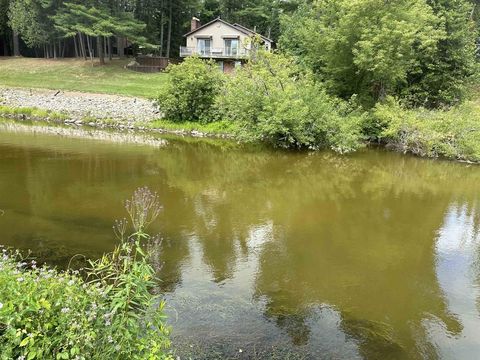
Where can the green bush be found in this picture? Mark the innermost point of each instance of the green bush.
(453, 133)
(271, 100)
(107, 313)
(191, 90)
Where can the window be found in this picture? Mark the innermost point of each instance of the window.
(203, 46)
(231, 47)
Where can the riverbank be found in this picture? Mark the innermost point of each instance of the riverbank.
(99, 111)
(450, 134)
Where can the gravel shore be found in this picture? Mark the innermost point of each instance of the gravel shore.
(80, 105)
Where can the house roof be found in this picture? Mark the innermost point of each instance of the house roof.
(235, 26)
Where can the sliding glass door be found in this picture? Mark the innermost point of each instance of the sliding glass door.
(204, 46)
(231, 47)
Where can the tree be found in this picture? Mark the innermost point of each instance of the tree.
(32, 21)
(443, 74)
(5, 30)
(191, 90)
(94, 22)
(366, 47)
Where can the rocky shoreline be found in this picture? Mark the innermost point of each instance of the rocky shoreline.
(94, 110)
(79, 105)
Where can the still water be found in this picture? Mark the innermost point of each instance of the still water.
(270, 254)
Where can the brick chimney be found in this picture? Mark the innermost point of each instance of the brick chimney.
(195, 24)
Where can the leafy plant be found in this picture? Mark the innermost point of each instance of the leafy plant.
(423, 50)
(272, 100)
(453, 134)
(191, 91)
(111, 313)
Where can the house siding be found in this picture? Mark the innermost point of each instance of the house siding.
(218, 31)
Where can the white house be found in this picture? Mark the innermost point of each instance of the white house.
(228, 44)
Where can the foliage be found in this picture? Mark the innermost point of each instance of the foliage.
(191, 90)
(32, 20)
(272, 100)
(376, 48)
(110, 314)
(74, 18)
(453, 134)
(442, 77)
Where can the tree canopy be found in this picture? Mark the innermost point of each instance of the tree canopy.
(423, 50)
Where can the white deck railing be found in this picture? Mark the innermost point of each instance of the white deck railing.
(231, 53)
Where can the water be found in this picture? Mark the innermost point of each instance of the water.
(270, 254)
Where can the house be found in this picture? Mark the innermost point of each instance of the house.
(228, 44)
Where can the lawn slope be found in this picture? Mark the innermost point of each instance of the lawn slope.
(79, 75)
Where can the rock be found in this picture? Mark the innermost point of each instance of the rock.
(80, 105)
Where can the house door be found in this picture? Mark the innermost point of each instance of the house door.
(203, 46)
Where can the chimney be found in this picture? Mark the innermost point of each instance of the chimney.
(195, 24)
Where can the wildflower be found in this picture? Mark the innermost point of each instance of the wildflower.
(21, 357)
(71, 282)
(20, 279)
(1, 305)
(65, 310)
(110, 339)
(117, 347)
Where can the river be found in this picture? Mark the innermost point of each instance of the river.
(269, 254)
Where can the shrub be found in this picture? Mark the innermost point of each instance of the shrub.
(453, 133)
(191, 90)
(110, 313)
(271, 100)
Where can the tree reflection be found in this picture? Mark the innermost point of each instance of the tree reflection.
(355, 233)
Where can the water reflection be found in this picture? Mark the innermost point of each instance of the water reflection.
(458, 271)
(311, 256)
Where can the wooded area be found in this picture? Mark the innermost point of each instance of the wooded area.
(101, 28)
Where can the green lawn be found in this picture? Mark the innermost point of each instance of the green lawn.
(79, 75)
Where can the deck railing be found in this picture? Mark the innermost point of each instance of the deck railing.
(232, 53)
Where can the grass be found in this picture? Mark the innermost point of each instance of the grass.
(218, 127)
(79, 75)
(32, 112)
(213, 128)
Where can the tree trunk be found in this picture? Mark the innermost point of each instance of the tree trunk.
(101, 55)
(162, 29)
(5, 41)
(169, 35)
(105, 50)
(83, 49)
(75, 45)
(120, 47)
(54, 50)
(90, 49)
(110, 56)
(16, 44)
